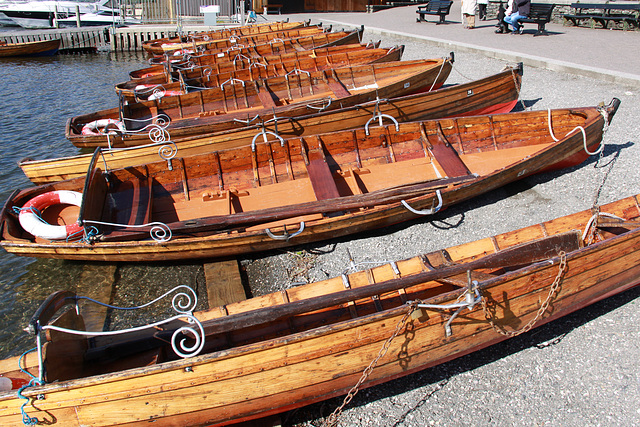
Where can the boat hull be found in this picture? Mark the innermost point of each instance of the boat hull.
(286, 372)
(328, 217)
(37, 48)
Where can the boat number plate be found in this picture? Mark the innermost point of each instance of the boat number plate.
(407, 84)
(470, 92)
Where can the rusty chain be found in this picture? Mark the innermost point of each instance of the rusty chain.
(332, 420)
(562, 267)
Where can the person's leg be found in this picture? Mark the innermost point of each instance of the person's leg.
(516, 22)
(513, 20)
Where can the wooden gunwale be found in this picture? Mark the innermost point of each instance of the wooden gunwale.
(238, 370)
(355, 221)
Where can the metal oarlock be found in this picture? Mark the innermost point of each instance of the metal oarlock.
(285, 236)
(425, 211)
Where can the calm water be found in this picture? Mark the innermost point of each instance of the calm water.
(37, 97)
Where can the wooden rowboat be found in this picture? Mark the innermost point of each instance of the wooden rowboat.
(295, 191)
(491, 95)
(155, 46)
(321, 39)
(236, 104)
(36, 48)
(268, 52)
(309, 343)
(201, 78)
(208, 42)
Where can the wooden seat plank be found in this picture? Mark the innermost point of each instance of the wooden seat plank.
(446, 155)
(324, 186)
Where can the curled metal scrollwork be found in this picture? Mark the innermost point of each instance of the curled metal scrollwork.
(198, 336)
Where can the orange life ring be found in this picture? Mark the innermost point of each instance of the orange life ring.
(32, 223)
(97, 127)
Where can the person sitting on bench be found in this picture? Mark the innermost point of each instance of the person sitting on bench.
(503, 27)
(521, 11)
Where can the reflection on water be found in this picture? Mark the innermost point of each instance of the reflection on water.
(38, 96)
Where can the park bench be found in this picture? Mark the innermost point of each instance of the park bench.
(440, 8)
(604, 14)
(540, 14)
(273, 6)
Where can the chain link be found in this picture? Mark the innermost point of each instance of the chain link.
(332, 420)
(562, 267)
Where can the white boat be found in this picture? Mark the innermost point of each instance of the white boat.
(101, 17)
(43, 14)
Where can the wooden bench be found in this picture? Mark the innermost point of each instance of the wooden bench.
(273, 6)
(603, 14)
(440, 8)
(539, 14)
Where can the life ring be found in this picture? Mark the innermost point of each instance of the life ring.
(32, 223)
(97, 127)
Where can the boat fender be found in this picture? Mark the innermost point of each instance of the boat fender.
(97, 127)
(162, 93)
(8, 384)
(32, 223)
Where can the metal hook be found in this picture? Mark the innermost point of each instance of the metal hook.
(324, 107)
(264, 134)
(285, 236)
(380, 117)
(297, 72)
(232, 81)
(425, 211)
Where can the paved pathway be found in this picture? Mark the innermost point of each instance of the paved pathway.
(609, 55)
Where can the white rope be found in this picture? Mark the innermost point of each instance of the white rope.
(584, 136)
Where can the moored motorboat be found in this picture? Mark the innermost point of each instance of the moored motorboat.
(490, 95)
(315, 341)
(286, 192)
(236, 104)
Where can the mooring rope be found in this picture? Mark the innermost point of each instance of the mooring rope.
(26, 419)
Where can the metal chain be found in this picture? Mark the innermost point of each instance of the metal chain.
(554, 288)
(596, 203)
(332, 420)
(515, 83)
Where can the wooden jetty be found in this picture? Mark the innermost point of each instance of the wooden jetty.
(104, 38)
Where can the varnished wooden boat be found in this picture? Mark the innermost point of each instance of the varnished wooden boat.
(320, 39)
(268, 52)
(283, 193)
(227, 42)
(200, 78)
(36, 48)
(491, 95)
(237, 104)
(155, 46)
(305, 344)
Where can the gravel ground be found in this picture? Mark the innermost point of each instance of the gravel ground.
(582, 370)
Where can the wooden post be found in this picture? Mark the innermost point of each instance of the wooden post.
(78, 16)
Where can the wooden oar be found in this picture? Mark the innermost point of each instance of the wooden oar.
(246, 219)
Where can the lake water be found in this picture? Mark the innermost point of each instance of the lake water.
(37, 96)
